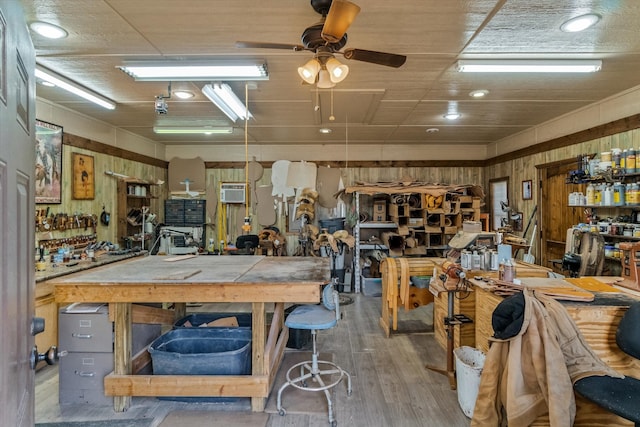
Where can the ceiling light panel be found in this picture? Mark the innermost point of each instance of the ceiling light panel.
(204, 130)
(70, 86)
(195, 71)
(223, 97)
(529, 66)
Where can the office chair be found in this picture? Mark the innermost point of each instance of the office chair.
(314, 318)
(618, 395)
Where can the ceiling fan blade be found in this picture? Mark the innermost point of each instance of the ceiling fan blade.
(380, 58)
(263, 45)
(341, 15)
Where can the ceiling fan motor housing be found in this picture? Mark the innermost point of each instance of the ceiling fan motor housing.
(312, 38)
(321, 6)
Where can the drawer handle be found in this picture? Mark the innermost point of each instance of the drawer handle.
(82, 336)
(85, 374)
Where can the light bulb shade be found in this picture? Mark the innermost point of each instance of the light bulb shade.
(224, 98)
(309, 71)
(341, 15)
(337, 71)
(324, 80)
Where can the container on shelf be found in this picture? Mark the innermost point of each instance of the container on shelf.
(619, 191)
(630, 162)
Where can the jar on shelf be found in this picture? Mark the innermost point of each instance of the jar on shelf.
(619, 194)
(591, 194)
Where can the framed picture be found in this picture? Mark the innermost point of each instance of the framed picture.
(48, 172)
(3, 60)
(527, 193)
(83, 177)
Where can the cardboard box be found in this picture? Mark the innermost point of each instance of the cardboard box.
(398, 210)
(472, 227)
(379, 210)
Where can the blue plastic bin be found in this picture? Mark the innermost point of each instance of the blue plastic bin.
(197, 319)
(202, 351)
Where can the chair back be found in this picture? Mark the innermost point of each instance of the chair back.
(628, 332)
(331, 299)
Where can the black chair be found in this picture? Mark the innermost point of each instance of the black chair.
(618, 395)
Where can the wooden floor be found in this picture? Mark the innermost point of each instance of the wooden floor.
(390, 382)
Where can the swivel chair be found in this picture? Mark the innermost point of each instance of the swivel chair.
(314, 318)
(618, 395)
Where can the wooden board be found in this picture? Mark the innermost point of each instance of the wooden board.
(591, 284)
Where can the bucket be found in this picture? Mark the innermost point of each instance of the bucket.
(332, 224)
(469, 363)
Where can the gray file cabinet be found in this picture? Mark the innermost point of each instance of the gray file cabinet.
(88, 340)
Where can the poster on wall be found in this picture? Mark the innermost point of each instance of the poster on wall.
(48, 171)
(83, 177)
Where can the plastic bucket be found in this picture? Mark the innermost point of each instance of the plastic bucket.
(332, 225)
(469, 364)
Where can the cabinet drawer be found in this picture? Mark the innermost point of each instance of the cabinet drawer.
(85, 331)
(84, 371)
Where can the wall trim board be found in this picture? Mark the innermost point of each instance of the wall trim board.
(365, 164)
(601, 131)
(99, 147)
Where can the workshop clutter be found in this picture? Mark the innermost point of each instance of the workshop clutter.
(398, 289)
(272, 242)
(427, 221)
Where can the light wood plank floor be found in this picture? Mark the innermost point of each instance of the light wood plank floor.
(391, 386)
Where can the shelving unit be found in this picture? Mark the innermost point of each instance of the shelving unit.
(130, 206)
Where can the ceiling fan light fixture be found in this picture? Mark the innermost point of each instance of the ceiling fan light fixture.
(340, 17)
(309, 71)
(337, 71)
(529, 66)
(324, 80)
(223, 97)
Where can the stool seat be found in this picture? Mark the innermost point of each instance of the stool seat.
(311, 317)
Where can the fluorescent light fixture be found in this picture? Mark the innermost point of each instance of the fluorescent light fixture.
(206, 130)
(227, 101)
(529, 66)
(195, 70)
(48, 30)
(73, 87)
(580, 23)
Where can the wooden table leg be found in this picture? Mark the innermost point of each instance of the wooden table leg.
(122, 350)
(257, 346)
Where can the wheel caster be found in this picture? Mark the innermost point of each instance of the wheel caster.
(282, 412)
(349, 393)
(334, 423)
(304, 384)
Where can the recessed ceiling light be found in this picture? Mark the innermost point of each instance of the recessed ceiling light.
(324, 130)
(452, 116)
(580, 23)
(183, 94)
(47, 30)
(432, 130)
(46, 83)
(478, 93)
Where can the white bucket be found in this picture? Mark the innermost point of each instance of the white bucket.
(469, 364)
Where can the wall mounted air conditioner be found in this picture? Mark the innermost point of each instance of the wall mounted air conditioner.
(233, 193)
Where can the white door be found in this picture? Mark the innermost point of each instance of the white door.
(17, 212)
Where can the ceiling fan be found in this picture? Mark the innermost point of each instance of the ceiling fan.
(325, 39)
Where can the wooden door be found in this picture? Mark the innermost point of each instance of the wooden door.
(17, 213)
(555, 215)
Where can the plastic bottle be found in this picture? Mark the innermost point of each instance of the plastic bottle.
(598, 193)
(607, 195)
(623, 159)
(630, 163)
(618, 194)
(627, 194)
(615, 157)
(591, 194)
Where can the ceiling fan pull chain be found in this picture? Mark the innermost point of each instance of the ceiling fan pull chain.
(331, 117)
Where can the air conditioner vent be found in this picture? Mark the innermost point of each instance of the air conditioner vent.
(233, 193)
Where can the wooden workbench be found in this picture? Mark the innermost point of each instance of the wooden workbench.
(243, 279)
(597, 320)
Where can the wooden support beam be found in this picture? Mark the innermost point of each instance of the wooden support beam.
(186, 385)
